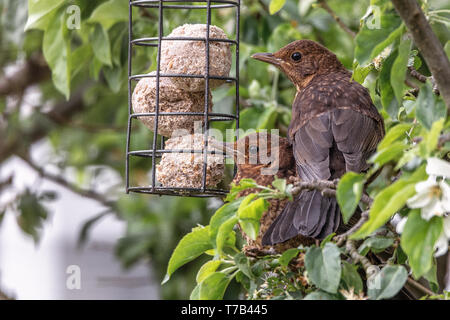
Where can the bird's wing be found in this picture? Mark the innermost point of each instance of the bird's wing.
(324, 138)
(311, 147)
(356, 136)
(334, 118)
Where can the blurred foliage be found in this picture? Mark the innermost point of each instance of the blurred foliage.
(87, 55)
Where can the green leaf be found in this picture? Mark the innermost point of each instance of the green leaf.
(243, 264)
(324, 267)
(87, 226)
(429, 108)
(431, 138)
(101, 45)
(208, 268)
(394, 152)
(388, 101)
(39, 13)
(115, 77)
(214, 286)
(56, 49)
(224, 232)
(431, 277)
(398, 132)
(386, 283)
(360, 73)
(349, 193)
(236, 188)
(109, 13)
(94, 68)
(255, 118)
(351, 277)
(32, 215)
(327, 239)
(288, 255)
(280, 184)
(283, 34)
(276, 5)
(225, 212)
(190, 247)
(319, 295)
(447, 48)
(375, 244)
(250, 212)
(79, 57)
(398, 71)
(195, 294)
(371, 42)
(389, 201)
(418, 239)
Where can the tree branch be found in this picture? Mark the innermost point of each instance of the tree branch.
(33, 71)
(416, 74)
(327, 187)
(4, 296)
(420, 287)
(369, 268)
(324, 5)
(61, 113)
(428, 44)
(63, 182)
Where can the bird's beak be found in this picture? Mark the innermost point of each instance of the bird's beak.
(267, 57)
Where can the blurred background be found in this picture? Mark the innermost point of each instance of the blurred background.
(63, 135)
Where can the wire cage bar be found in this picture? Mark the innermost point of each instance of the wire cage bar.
(156, 151)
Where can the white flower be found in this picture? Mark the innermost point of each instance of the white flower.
(432, 196)
(401, 225)
(441, 245)
(438, 167)
(447, 226)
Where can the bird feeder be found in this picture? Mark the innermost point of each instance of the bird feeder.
(175, 96)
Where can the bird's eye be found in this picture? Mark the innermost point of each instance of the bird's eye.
(296, 56)
(253, 149)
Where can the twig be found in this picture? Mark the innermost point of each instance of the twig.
(429, 45)
(61, 113)
(420, 287)
(33, 71)
(327, 187)
(6, 182)
(443, 138)
(342, 237)
(324, 5)
(4, 296)
(369, 268)
(61, 181)
(416, 74)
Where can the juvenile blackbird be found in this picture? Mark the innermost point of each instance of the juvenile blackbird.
(258, 157)
(335, 128)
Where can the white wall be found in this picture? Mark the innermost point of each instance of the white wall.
(39, 272)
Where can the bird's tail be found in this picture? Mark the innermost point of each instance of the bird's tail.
(310, 214)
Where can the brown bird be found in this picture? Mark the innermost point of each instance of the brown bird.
(264, 157)
(335, 128)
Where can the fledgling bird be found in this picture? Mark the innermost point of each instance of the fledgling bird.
(335, 128)
(264, 157)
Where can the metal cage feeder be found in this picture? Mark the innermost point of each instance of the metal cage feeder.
(157, 149)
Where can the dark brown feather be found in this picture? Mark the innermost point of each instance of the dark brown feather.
(335, 128)
(286, 170)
